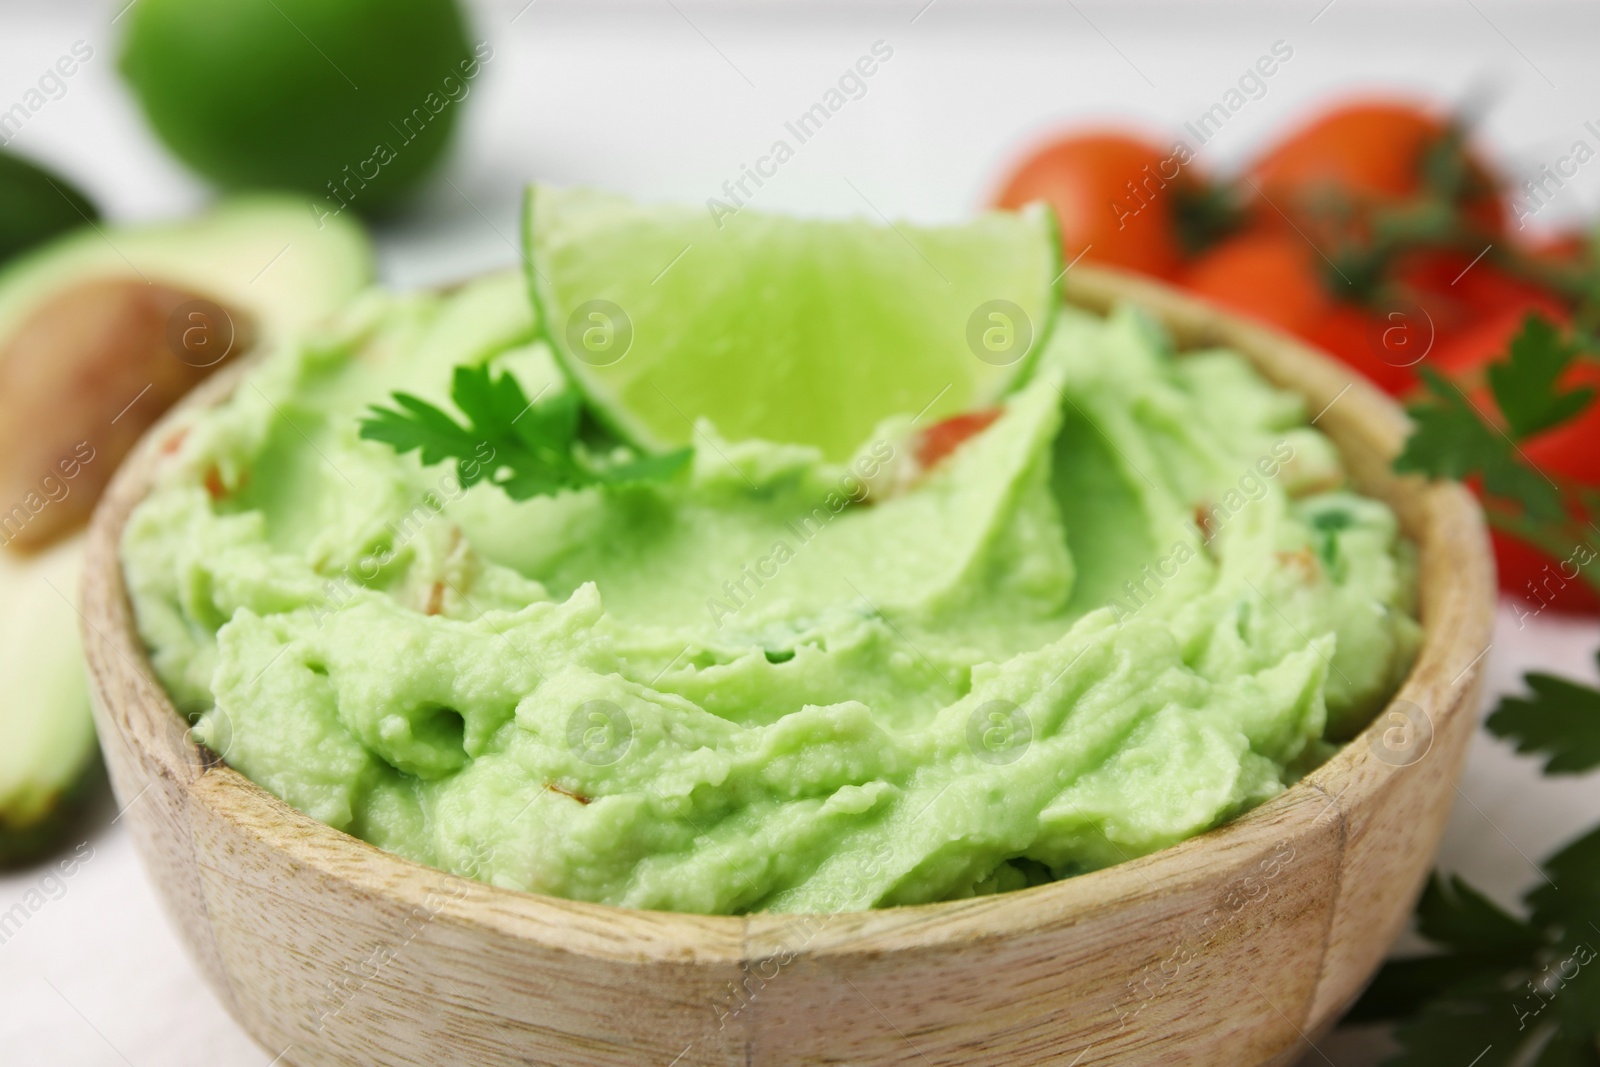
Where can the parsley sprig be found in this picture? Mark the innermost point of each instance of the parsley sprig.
(1455, 438)
(1504, 989)
(1527, 385)
(1560, 720)
(527, 448)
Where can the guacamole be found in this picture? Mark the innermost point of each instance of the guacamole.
(1137, 601)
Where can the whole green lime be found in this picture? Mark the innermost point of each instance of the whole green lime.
(350, 99)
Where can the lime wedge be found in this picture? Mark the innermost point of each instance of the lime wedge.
(804, 331)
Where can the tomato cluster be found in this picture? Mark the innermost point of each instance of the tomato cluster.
(1375, 231)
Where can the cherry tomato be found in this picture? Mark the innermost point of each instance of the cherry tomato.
(1464, 354)
(1538, 582)
(1471, 310)
(943, 438)
(1465, 287)
(1371, 151)
(1386, 345)
(1276, 276)
(1113, 196)
(1269, 274)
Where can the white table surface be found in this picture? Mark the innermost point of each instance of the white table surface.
(666, 99)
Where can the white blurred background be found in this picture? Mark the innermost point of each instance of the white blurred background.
(667, 99)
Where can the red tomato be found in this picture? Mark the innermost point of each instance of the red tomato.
(1270, 274)
(1461, 289)
(1276, 276)
(1370, 150)
(1386, 347)
(943, 438)
(1472, 310)
(1471, 279)
(1464, 354)
(1537, 582)
(1113, 195)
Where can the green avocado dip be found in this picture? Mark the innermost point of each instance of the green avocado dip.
(1133, 605)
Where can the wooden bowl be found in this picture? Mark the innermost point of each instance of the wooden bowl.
(1233, 948)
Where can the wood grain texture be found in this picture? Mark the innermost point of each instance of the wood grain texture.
(1225, 950)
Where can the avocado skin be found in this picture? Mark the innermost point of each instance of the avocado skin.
(52, 782)
(35, 205)
(299, 94)
(27, 844)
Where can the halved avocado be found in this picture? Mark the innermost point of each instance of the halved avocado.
(100, 332)
(46, 735)
(265, 254)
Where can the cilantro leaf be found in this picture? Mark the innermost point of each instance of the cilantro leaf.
(1478, 1028)
(1451, 440)
(1526, 385)
(528, 448)
(493, 404)
(1574, 884)
(419, 425)
(1480, 936)
(1503, 990)
(1566, 1050)
(1453, 914)
(1561, 720)
(1404, 987)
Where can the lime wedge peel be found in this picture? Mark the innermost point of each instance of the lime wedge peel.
(793, 330)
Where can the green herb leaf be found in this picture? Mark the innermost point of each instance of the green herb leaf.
(1453, 914)
(1561, 720)
(1482, 937)
(1574, 887)
(1477, 1028)
(527, 448)
(1568, 1050)
(418, 425)
(1478, 933)
(1451, 440)
(1404, 987)
(1506, 990)
(1503, 989)
(1526, 385)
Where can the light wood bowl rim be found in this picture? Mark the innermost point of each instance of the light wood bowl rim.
(1447, 666)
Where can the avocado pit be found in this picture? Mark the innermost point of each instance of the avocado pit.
(82, 378)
